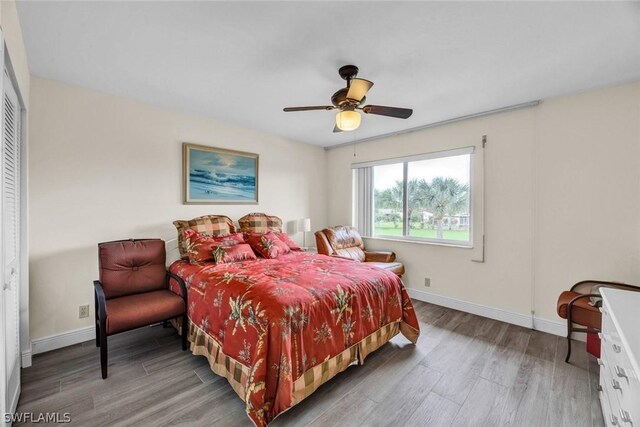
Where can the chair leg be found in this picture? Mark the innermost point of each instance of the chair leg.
(96, 309)
(103, 353)
(566, 360)
(185, 331)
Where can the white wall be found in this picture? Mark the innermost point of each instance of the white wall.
(106, 168)
(562, 201)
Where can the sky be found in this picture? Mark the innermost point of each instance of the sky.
(218, 162)
(456, 167)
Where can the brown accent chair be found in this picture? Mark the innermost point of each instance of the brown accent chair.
(345, 242)
(574, 306)
(133, 291)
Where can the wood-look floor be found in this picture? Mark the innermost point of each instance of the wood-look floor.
(465, 370)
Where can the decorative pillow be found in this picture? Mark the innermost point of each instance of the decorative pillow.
(226, 254)
(210, 225)
(201, 247)
(267, 244)
(284, 238)
(260, 223)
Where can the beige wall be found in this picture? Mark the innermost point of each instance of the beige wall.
(562, 205)
(589, 227)
(105, 168)
(562, 186)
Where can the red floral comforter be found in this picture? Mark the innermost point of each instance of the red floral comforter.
(281, 317)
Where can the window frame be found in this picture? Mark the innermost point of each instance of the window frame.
(406, 225)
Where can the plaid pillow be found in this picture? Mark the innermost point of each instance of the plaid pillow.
(260, 223)
(201, 248)
(267, 244)
(211, 225)
(226, 254)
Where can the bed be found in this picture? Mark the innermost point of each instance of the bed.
(279, 328)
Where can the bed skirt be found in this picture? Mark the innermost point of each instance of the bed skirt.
(202, 344)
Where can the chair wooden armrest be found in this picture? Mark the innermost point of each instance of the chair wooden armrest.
(570, 307)
(181, 284)
(101, 324)
(586, 286)
(100, 300)
(379, 256)
(185, 317)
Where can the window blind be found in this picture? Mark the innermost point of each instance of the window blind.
(364, 202)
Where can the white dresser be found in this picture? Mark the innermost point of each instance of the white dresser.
(620, 357)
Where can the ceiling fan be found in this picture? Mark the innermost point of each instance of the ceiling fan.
(349, 99)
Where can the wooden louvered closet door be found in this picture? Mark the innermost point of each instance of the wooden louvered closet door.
(10, 247)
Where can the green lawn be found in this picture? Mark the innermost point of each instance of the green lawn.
(388, 230)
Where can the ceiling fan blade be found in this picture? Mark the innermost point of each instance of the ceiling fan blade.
(399, 113)
(317, 107)
(336, 129)
(358, 88)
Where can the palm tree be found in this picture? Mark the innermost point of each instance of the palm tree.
(446, 197)
(419, 191)
(390, 198)
(393, 197)
(442, 197)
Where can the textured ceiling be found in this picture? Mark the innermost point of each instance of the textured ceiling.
(244, 61)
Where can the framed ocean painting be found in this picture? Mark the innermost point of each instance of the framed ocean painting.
(219, 176)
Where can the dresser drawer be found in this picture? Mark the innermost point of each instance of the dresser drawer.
(615, 411)
(609, 331)
(626, 389)
(609, 409)
(619, 380)
(610, 420)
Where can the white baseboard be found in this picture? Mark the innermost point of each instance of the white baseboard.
(65, 339)
(544, 325)
(555, 327)
(13, 403)
(26, 358)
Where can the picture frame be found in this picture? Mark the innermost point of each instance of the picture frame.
(219, 176)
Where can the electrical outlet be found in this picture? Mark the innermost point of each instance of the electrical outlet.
(83, 311)
(427, 282)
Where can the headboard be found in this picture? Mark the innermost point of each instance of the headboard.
(173, 253)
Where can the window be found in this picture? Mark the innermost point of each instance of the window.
(425, 197)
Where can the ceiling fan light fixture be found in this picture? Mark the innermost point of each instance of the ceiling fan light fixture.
(348, 120)
(358, 88)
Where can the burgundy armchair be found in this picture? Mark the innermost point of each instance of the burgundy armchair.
(345, 242)
(133, 291)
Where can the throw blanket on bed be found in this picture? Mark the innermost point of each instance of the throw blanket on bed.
(279, 328)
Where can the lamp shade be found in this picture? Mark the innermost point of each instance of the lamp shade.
(358, 88)
(305, 224)
(348, 120)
